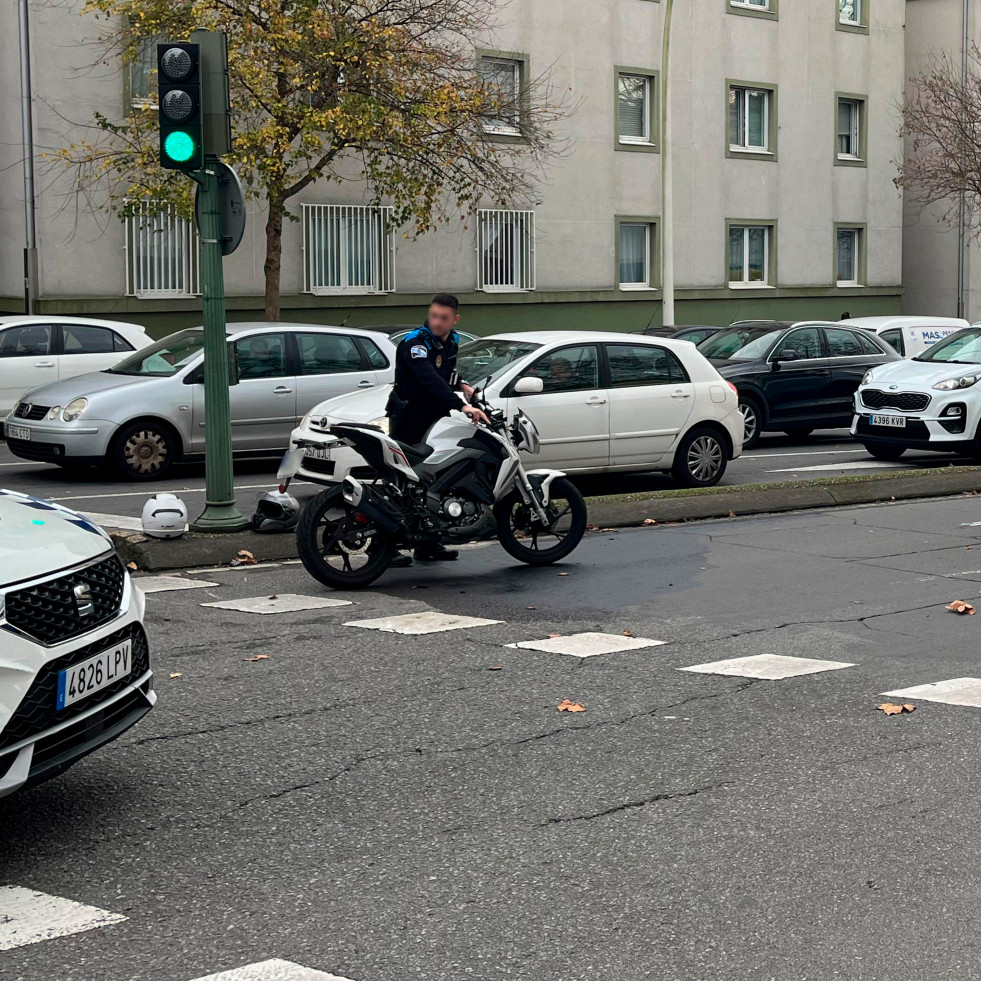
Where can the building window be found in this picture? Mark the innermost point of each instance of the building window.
(348, 249)
(756, 8)
(503, 78)
(852, 15)
(162, 254)
(505, 250)
(636, 117)
(749, 255)
(850, 138)
(636, 249)
(849, 256)
(752, 117)
(143, 75)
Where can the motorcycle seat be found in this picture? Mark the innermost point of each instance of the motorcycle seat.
(416, 453)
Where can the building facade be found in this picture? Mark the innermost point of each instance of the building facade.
(785, 136)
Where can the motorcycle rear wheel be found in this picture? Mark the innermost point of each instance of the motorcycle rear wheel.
(566, 511)
(334, 547)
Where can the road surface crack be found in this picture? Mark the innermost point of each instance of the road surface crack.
(632, 805)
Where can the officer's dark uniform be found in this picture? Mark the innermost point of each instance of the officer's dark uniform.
(425, 379)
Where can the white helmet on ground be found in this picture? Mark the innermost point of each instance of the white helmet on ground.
(275, 511)
(164, 516)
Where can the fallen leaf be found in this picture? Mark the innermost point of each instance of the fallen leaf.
(969, 547)
(959, 606)
(890, 709)
(554, 635)
(563, 573)
(244, 557)
(529, 607)
(732, 514)
(258, 657)
(132, 566)
(176, 674)
(649, 521)
(496, 667)
(593, 527)
(628, 633)
(566, 706)
(274, 596)
(609, 529)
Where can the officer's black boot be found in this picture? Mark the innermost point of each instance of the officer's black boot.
(436, 553)
(400, 561)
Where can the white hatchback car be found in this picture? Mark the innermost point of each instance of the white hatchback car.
(38, 350)
(74, 658)
(610, 403)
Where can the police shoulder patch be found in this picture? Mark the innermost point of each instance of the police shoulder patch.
(419, 351)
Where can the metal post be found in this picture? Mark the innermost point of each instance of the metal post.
(27, 148)
(962, 203)
(667, 182)
(220, 513)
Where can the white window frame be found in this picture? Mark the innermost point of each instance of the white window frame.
(322, 237)
(155, 277)
(500, 127)
(522, 265)
(745, 282)
(856, 19)
(645, 284)
(750, 4)
(743, 91)
(645, 138)
(856, 234)
(856, 129)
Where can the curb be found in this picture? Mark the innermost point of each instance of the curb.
(197, 550)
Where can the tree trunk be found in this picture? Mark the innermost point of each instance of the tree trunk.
(273, 265)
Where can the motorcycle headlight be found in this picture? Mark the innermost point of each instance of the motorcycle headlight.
(867, 378)
(952, 384)
(74, 409)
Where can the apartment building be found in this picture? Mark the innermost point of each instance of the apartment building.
(784, 139)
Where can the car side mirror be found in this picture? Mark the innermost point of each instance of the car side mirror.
(788, 354)
(529, 385)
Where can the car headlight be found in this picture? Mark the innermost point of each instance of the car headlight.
(74, 409)
(381, 422)
(952, 384)
(867, 378)
(55, 412)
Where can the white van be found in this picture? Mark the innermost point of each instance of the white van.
(910, 336)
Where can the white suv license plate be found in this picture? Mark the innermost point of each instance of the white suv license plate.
(18, 432)
(93, 674)
(896, 422)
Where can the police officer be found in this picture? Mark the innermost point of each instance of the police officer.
(426, 388)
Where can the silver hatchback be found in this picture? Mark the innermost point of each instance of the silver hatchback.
(147, 412)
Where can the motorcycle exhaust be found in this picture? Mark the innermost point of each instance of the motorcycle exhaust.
(366, 501)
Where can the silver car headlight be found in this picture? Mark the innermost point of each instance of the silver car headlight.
(74, 409)
(55, 412)
(952, 384)
(867, 378)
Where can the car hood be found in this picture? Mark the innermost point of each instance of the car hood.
(85, 386)
(919, 374)
(38, 537)
(355, 406)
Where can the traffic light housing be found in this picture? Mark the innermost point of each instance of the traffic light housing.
(180, 111)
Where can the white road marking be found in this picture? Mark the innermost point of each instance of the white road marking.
(970, 524)
(767, 667)
(957, 691)
(422, 623)
(766, 456)
(120, 521)
(148, 492)
(261, 567)
(164, 584)
(282, 603)
(29, 917)
(587, 644)
(848, 465)
(27, 464)
(274, 970)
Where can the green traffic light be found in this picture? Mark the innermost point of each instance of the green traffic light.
(179, 146)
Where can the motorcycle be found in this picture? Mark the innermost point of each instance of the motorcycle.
(464, 483)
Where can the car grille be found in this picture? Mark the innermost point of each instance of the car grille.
(48, 612)
(37, 711)
(25, 410)
(872, 398)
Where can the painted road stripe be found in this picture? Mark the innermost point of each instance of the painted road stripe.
(587, 644)
(767, 456)
(121, 521)
(849, 465)
(165, 584)
(281, 603)
(957, 691)
(422, 623)
(28, 917)
(274, 970)
(767, 667)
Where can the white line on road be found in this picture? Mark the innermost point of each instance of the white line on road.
(764, 456)
(38, 464)
(851, 465)
(120, 521)
(274, 970)
(28, 917)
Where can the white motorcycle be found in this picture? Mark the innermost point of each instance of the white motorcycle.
(466, 482)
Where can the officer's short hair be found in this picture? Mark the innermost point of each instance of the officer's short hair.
(446, 300)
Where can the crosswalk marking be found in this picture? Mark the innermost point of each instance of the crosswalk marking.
(587, 644)
(956, 691)
(278, 603)
(29, 917)
(274, 970)
(162, 584)
(421, 623)
(767, 667)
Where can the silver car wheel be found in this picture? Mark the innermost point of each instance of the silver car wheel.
(751, 420)
(706, 458)
(146, 451)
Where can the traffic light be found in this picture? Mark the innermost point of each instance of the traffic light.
(179, 101)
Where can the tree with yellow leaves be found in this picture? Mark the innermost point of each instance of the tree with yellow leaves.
(388, 92)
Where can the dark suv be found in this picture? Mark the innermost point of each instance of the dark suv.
(794, 377)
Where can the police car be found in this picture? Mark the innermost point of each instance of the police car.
(74, 658)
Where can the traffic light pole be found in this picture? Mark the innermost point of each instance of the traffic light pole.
(220, 513)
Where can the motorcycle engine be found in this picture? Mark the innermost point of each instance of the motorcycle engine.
(459, 511)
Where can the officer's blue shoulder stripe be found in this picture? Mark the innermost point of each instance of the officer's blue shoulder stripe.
(419, 333)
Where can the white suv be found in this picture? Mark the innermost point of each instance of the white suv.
(74, 659)
(931, 402)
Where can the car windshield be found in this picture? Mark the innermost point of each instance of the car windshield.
(964, 347)
(740, 343)
(166, 357)
(483, 361)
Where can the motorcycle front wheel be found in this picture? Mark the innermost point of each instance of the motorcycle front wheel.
(523, 536)
(337, 544)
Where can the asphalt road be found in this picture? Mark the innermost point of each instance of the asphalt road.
(775, 458)
(382, 807)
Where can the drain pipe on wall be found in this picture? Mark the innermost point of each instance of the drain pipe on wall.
(667, 183)
(962, 205)
(27, 149)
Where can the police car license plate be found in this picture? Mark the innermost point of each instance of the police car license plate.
(896, 422)
(93, 674)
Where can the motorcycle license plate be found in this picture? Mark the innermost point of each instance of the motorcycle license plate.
(317, 453)
(895, 422)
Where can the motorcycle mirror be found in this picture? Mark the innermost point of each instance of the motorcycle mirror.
(529, 385)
